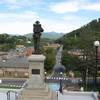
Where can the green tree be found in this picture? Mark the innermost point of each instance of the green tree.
(69, 61)
(8, 42)
(50, 58)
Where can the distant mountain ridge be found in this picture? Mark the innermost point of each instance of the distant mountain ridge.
(49, 35)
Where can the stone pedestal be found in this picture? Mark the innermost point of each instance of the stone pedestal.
(36, 71)
(35, 88)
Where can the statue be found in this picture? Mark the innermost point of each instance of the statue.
(37, 29)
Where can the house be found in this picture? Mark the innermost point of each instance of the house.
(14, 67)
(54, 46)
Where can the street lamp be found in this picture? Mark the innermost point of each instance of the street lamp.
(60, 89)
(45, 76)
(96, 44)
(57, 94)
(0, 81)
(86, 78)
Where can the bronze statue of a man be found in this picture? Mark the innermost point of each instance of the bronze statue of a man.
(37, 29)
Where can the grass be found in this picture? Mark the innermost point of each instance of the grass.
(9, 87)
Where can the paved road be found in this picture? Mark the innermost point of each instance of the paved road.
(58, 56)
(58, 67)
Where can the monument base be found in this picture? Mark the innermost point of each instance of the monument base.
(35, 88)
(35, 82)
(43, 93)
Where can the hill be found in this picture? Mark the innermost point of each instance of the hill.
(82, 37)
(92, 27)
(48, 35)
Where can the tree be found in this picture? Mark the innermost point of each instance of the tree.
(50, 58)
(69, 61)
(8, 42)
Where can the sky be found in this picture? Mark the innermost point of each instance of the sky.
(62, 16)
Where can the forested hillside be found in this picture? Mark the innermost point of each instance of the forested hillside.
(82, 37)
(8, 42)
(81, 41)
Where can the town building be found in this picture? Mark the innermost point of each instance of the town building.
(53, 45)
(14, 67)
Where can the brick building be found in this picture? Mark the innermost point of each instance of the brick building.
(14, 67)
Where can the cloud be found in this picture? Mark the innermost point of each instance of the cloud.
(71, 18)
(13, 7)
(64, 7)
(17, 23)
(9, 1)
(17, 4)
(74, 6)
(93, 6)
(22, 23)
(23, 16)
(59, 26)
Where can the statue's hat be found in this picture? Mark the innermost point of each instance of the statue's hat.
(37, 22)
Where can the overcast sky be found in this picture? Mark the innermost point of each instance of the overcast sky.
(18, 16)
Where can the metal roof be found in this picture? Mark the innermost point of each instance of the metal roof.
(15, 62)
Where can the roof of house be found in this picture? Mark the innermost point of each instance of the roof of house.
(20, 62)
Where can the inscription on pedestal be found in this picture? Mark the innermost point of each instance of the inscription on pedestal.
(35, 71)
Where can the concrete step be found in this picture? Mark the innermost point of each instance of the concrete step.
(37, 94)
(48, 96)
(43, 91)
(35, 98)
